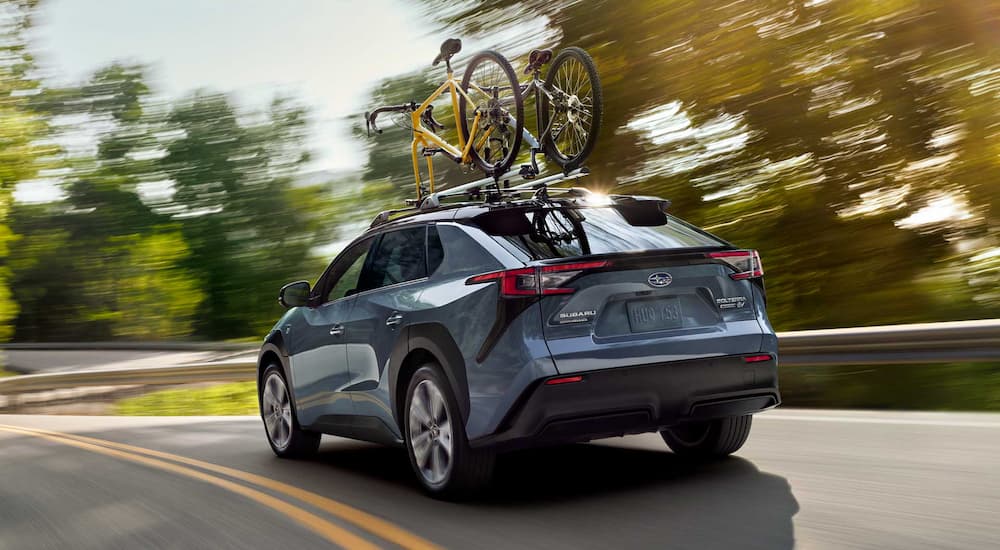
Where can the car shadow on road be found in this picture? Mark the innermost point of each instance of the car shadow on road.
(609, 493)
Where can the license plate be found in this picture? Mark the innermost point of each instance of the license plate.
(658, 314)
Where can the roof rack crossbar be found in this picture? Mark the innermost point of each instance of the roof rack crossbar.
(555, 178)
(459, 189)
(433, 200)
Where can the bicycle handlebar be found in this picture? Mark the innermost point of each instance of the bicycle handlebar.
(370, 117)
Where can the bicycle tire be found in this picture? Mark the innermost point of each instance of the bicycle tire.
(493, 168)
(572, 159)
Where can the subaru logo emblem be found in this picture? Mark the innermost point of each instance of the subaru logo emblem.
(659, 279)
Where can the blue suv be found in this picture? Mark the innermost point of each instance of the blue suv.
(463, 330)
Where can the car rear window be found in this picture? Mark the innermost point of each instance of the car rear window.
(568, 232)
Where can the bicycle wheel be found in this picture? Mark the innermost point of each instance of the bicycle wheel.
(492, 86)
(573, 115)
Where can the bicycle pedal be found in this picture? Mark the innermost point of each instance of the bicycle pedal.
(528, 172)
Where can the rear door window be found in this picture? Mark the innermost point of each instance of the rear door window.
(399, 257)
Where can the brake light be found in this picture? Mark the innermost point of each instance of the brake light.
(536, 281)
(746, 263)
(756, 358)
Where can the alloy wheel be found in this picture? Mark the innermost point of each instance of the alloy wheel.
(276, 408)
(430, 432)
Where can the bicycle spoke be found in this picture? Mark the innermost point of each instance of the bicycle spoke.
(490, 90)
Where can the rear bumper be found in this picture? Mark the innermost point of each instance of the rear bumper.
(638, 399)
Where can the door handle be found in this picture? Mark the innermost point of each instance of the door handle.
(336, 330)
(394, 319)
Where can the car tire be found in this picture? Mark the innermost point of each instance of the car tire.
(432, 424)
(709, 439)
(286, 437)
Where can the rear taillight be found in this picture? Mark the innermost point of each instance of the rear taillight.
(536, 281)
(745, 262)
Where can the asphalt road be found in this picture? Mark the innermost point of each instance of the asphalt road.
(806, 479)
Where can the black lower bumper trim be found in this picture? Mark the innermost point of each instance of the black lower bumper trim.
(640, 399)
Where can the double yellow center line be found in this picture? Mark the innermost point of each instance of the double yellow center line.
(179, 465)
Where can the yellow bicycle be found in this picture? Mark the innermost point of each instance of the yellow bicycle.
(488, 106)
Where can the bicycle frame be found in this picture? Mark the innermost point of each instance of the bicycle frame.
(536, 87)
(432, 143)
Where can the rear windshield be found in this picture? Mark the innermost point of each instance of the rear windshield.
(564, 233)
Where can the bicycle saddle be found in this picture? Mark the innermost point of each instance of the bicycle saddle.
(448, 48)
(536, 59)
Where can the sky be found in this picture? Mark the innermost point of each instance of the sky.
(328, 53)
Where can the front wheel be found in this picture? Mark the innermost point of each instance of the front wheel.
(495, 94)
(570, 120)
(439, 452)
(286, 437)
(708, 439)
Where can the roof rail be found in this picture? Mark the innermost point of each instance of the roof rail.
(383, 217)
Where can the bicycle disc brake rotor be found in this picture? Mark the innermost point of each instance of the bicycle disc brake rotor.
(574, 106)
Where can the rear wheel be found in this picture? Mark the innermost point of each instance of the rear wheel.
(286, 437)
(435, 438)
(491, 84)
(573, 115)
(708, 439)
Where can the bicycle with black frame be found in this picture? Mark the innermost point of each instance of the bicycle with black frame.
(568, 107)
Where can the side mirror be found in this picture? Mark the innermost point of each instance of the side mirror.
(294, 294)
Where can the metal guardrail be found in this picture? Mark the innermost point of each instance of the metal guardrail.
(952, 342)
(132, 346)
(193, 373)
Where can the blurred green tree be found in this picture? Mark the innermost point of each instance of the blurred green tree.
(23, 147)
(248, 228)
(827, 134)
(182, 221)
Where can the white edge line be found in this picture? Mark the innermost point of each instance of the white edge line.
(896, 421)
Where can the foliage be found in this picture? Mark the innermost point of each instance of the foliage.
(249, 231)
(238, 398)
(818, 132)
(183, 220)
(856, 144)
(21, 133)
(945, 387)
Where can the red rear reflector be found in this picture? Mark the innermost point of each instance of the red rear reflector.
(484, 278)
(563, 380)
(756, 358)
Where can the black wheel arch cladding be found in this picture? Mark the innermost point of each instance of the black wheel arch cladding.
(435, 339)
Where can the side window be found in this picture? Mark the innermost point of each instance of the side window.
(345, 273)
(435, 251)
(400, 256)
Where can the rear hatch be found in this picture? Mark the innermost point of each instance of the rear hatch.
(615, 294)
